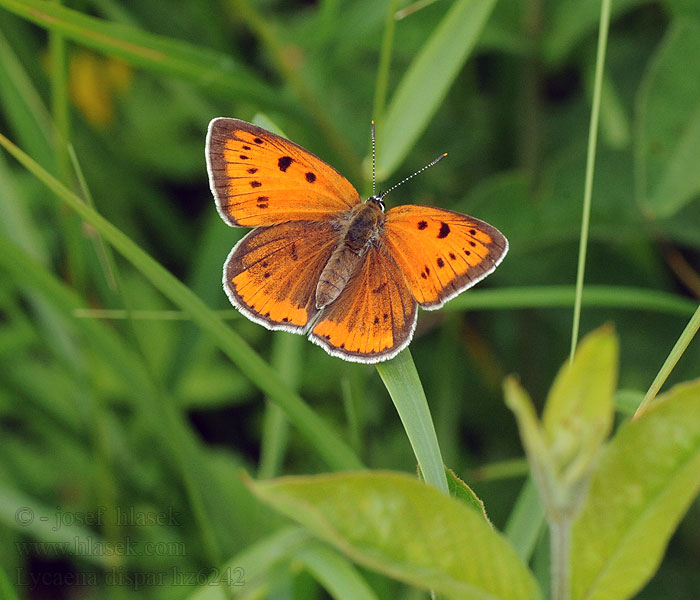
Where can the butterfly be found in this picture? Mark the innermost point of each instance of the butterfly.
(323, 263)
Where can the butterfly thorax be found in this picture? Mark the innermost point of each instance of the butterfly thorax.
(360, 227)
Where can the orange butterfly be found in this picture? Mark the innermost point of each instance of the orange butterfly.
(322, 263)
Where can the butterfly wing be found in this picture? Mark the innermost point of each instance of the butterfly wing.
(374, 317)
(441, 252)
(272, 273)
(259, 178)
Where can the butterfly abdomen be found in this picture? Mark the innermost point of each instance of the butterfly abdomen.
(363, 225)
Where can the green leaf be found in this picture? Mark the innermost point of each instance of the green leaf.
(668, 140)
(250, 568)
(335, 573)
(461, 491)
(395, 524)
(427, 80)
(525, 521)
(403, 384)
(532, 436)
(579, 411)
(646, 479)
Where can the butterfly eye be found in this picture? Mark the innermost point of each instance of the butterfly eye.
(376, 200)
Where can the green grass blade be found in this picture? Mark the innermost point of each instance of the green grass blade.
(427, 80)
(551, 296)
(525, 521)
(6, 589)
(382, 84)
(330, 446)
(206, 68)
(690, 331)
(401, 380)
(255, 563)
(23, 106)
(336, 573)
(590, 168)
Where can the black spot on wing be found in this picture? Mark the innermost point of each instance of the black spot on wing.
(253, 170)
(422, 225)
(255, 184)
(444, 230)
(284, 162)
(310, 177)
(440, 262)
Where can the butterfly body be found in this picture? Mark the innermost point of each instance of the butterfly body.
(362, 227)
(320, 262)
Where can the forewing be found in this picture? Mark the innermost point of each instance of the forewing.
(374, 316)
(259, 178)
(441, 252)
(272, 273)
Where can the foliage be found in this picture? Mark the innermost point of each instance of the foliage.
(132, 396)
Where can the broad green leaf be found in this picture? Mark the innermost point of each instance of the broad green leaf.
(395, 524)
(207, 68)
(668, 140)
(645, 481)
(427, 80)
(579, 411)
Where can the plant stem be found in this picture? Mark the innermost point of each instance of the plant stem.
(560, 544)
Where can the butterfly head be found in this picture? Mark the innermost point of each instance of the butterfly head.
(377, 201)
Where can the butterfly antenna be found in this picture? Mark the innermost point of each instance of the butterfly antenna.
(374, 168)
(393, 187)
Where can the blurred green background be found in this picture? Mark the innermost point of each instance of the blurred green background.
(135, 431)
